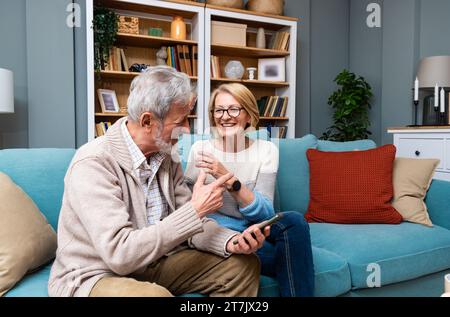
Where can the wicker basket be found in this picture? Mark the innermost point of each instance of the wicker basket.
(128, 25)
(236, 4)
(266, 6)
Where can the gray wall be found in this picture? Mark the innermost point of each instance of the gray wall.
(387, 57)
(13, 56)
(37, 46)
(51, 88)
(49, 62)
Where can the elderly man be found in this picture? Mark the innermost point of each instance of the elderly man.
(130, 226)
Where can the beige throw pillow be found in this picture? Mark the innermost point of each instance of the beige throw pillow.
(27, 241)
(411, 180)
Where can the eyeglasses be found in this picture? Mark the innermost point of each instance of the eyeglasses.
(233, 112)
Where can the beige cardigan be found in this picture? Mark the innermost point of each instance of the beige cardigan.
(102, 226)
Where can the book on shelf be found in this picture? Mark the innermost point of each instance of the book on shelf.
(180, 58)
(117, 60)
(215, 67)
(187, 59)
(279, 41)
(101, 128)
(194, 57)
(276, 132)
(272, 106)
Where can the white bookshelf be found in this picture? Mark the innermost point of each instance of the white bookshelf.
(199, 17)
(153, 10)
(271, 24)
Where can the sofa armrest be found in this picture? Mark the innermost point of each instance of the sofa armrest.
(438, 203)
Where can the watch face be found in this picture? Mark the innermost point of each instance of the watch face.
(236, 186)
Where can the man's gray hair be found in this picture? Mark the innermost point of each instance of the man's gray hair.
(156, 90)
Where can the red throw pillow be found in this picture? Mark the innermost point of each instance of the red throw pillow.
(352, 187)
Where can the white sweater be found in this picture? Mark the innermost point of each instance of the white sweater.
(256, 167)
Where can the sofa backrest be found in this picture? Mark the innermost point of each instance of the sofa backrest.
(40, 173)
(292, 189)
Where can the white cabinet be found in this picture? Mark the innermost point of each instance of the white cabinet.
(423, 143)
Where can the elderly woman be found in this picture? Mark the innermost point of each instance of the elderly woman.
(286, 253)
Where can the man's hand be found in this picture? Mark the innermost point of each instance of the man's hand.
(247, 242)
(207, 199)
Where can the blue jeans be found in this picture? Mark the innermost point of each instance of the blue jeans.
(287, 256)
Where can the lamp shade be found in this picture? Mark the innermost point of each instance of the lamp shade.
(6, 91)
(434, 70)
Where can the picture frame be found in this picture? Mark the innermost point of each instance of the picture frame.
(108, 100)
(272, 69)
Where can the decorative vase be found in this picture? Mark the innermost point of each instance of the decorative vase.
(234, 70)
(260, 38)
(251, 73)
(178, 28)
(266, 6)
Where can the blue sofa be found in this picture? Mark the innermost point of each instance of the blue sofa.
(412, 259)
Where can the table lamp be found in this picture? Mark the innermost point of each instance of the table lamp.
(6, 91)
(434, 74)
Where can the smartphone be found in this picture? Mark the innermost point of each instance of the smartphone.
(264, 224)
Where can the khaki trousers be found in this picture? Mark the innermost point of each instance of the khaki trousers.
(187, 271)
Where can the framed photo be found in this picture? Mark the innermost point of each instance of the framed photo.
(108, 100)
(272, 69)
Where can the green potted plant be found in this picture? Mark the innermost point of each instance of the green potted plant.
(105, 31)
(351, 103)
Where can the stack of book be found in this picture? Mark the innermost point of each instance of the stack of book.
(101, 128)
(280, 41)
(117, 60)
(183, 58)
(215, 67)
(273, 106)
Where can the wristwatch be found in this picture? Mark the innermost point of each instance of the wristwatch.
(236, 186)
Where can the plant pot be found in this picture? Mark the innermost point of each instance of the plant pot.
(236, 4)
(266, 6)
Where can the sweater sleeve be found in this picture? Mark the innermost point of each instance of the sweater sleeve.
(262, 206)
(95, 194)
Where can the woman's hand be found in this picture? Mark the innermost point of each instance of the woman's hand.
(247, 242)
(210, 164)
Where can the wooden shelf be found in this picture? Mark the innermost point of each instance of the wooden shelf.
(143, 8)
(112, 114)
(254, 83)
(274, 118)
(282, 17)
(149, 41)
(243, 51)
(120, 114)
(126, 75)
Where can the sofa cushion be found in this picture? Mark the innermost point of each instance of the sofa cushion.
(332, 274)
(292, 188)
(411, 179)
(352, 187)
(27, 241)
(404, 251)
(438, 203)
(32, 285)
(40, 173)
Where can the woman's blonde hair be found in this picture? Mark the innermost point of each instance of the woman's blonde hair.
(242, 94)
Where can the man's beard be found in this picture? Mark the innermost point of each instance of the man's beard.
(163, 146)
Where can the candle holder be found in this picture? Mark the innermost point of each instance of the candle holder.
(416, 105)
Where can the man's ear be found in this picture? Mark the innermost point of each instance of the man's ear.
(146, 120)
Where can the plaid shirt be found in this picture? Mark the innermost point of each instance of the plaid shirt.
(145, 171)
